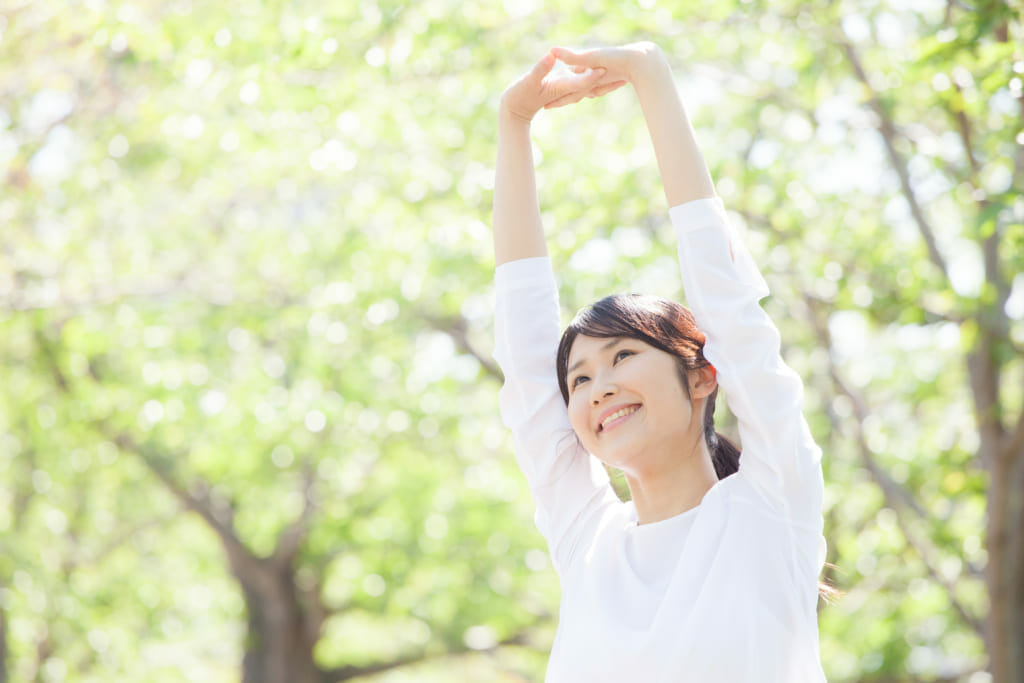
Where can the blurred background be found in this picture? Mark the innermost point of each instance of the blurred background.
(248, 410)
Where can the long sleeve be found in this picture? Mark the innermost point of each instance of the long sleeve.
(723, 289)
(568, 485)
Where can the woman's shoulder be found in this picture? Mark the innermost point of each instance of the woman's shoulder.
(739, 491)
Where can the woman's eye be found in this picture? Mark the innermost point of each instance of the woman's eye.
(578, 380)
(622, 354)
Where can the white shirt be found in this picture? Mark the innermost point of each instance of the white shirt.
(725, 592)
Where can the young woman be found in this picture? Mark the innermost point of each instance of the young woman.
(710, 572)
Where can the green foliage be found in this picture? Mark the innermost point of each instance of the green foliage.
(246, 248)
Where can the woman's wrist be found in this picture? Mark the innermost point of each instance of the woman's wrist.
(648, 63)
(508, 114)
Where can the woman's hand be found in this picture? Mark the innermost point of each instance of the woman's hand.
(684, 173)
(542, 89)
(622, 64)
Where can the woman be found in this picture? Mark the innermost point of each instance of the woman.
(710, 572)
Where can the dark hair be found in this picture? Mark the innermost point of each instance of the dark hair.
(665, 325)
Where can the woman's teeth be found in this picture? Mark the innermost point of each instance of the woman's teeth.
(619, 413)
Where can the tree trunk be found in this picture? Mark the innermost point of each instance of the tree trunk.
(1005, 569)
(278, 647)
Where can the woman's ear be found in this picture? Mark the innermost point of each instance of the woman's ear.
(703, 381)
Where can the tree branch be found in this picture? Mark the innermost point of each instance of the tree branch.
(887, 129)
(345, 673)
(119, 540)
(896, 496)
(242, 560)
(156, 462)
(457, 328)
(292, 537)
(963, 127)
(176, 286)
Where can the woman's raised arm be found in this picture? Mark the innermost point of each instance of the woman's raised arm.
(518, 232)
(683, 171)
(568, 486)
(723, 289)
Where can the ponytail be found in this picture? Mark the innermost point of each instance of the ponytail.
(725, 456)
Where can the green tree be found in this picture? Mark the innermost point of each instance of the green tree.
(248, 420)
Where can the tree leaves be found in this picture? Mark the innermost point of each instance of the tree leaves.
(249, 250)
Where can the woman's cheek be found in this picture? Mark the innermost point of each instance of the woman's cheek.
(577, 417)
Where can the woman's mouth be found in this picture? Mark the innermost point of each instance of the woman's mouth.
(618, 417)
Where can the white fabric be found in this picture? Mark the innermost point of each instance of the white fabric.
(725, 592)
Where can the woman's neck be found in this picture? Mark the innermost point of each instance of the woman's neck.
(672, 490)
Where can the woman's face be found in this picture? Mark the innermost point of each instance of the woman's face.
(627, 404)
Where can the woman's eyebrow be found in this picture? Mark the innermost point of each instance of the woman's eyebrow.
(574, 366)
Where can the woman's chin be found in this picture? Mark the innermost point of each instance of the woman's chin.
(619, 458)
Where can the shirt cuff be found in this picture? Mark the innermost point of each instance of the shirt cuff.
(523, 273)
(698, 214)
(709, 214)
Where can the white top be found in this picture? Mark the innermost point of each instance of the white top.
(725, 592)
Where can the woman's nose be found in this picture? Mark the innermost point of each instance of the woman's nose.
(603, 390)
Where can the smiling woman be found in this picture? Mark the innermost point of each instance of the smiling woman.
(709, 573)
(668, 333)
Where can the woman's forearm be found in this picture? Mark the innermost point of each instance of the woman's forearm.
(518, 232)
(684, 174)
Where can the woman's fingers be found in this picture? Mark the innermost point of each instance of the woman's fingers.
(607, 88)
(573, 58)
(617, 60)
(577, 95)
(543, 67)
(565, 84)
(571, 98)
(571, 89)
